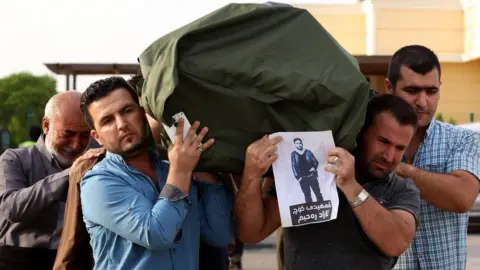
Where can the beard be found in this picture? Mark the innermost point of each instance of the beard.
(378, 173)
(135, 149)
(63, 161)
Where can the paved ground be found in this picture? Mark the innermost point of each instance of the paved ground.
(263, 256)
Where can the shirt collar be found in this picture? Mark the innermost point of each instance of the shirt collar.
(428, 133)
(119, 159)
(42, 148)
(430, 129)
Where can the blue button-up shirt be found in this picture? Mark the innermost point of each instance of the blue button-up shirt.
(133, 226)
(441, 239)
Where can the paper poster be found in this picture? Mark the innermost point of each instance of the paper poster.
(172, 130)
(306, 192)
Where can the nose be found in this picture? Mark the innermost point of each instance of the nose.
(421, 99)
(389, 154)
(121, 123)
(76, 143)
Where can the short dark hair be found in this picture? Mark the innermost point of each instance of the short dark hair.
(297, 139)
(415, 57)
(135, 81)
(35, 132)
(101, 89)
(396, 106)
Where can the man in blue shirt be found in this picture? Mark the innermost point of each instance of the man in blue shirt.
(142, 212)
(442, 160)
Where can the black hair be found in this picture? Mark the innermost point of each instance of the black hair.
(297, 139)
(101, 89)
(396, 106)
(135, 81)
(418, 58)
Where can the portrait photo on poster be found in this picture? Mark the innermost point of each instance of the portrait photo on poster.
(306, 192)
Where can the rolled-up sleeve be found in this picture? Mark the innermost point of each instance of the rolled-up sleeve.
(466, 155)
(112, 203)
(18, 200)
(407, 198)
(216, 211)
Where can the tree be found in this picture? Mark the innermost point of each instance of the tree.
(439, 117)
(22, 102)
(452, 121)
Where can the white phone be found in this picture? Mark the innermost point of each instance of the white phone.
(171, 131)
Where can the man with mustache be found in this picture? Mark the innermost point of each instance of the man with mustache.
(378, 210)
(442, 160)
(34, 184)
(143, 212)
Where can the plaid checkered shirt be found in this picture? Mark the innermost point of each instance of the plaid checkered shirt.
(441, 239)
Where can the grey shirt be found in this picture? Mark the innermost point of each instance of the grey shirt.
(33, 189)
(342, 243)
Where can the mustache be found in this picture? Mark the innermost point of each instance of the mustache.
(421, 110)
(70, 150)
(382, 161)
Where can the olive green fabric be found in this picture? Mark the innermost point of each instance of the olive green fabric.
(247, 70)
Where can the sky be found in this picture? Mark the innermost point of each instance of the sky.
(33, 32)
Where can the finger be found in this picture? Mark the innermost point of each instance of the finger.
(208, 144)
(192, 133)
(271, 159)
(201, 136)
(179, 133)
(331, 169)
(333, 159)
(337, 151)
(276, 140)
(270, 150)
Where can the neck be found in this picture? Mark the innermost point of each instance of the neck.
(139, 160)
(420, 134)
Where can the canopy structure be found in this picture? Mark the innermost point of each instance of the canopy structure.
(74, 69)
(369, 65)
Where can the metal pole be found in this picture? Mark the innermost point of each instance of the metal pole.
(68, 82)
(471, 117)
(74, 81)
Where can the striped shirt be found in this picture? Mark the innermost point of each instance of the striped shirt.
(441, 239)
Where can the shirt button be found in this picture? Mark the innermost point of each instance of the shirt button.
(174, 251)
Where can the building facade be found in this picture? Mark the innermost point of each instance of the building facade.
(375, 29)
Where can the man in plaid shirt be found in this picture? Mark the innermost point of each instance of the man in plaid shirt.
(442, 160)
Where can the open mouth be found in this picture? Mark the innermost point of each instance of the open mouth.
(382, 165)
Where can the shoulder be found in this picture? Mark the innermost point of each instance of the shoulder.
(18, 157)
(455, 132)
(19, 153)
(10, 155)
(100, 175)
(402, 185)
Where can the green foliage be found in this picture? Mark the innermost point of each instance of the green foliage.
(439, 117)
(22, 102)
(452, 121)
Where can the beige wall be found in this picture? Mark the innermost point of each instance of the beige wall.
(447, 29)
(459, 94)
(347, 29)
(440, 30)
(472, 29)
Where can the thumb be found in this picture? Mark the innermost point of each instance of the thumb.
(331, 169)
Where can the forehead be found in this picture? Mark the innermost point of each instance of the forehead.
(386, 126)
(111, 104)
(70, 119)
(411, 78)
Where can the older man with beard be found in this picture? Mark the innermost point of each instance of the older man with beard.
(34, 184)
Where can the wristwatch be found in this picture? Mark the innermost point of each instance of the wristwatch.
(360, 199)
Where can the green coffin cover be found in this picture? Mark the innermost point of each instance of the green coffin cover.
(246, 70)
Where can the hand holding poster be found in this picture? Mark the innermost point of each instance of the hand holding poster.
(306, 192)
